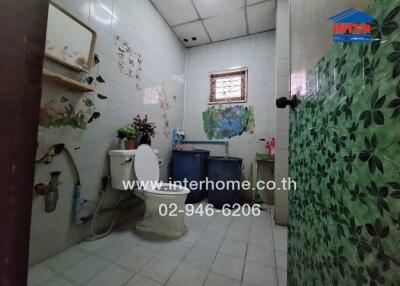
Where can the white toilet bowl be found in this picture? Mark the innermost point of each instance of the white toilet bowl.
(170, 221)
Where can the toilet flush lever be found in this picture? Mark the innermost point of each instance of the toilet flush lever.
(126, 161)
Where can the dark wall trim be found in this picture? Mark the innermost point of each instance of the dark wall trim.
(23, 33)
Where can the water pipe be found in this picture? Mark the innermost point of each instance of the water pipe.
(78, 203)
(225, 143)
(178, 138)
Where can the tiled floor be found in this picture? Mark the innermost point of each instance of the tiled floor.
(215, 251)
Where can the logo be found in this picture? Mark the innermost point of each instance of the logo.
(351, 25)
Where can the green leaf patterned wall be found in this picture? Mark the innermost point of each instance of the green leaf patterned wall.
(344, 221)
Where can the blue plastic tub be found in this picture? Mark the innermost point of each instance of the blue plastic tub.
(191, 165)
(224, 169)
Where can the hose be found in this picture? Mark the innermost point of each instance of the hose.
(93, 232)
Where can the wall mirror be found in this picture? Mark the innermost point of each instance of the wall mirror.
(69, 41)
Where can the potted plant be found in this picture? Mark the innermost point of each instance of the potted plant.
(128, 133)
(144, 128)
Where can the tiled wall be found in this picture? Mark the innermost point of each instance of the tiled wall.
(282, 115)
(257, 53)
(163, 64)
(344, 154)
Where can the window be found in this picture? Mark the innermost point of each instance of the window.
(228, 86)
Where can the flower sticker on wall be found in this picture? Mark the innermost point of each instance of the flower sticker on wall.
(164, 106)
(219, 123)
(57, 114)
(129, 61)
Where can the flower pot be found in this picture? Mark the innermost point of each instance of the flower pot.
(130, 144)
(145, 139)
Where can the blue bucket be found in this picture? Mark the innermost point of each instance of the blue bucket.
(224, 169)
(192, 166)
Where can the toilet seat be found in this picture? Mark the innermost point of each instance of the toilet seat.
(147, 170)
(169, 190)
(146, 164)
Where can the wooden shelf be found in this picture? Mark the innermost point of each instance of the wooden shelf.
(67, 82)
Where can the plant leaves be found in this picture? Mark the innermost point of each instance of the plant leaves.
(392, 14)
(395, 195)
(89, 80)
(101, 96)
(389, 27)
(379, 103)
(100, 79)
(394, 185)
(396, 69)
(379, 118)
(375, 45)
(96, 59)
(371, 230)
(393, 57)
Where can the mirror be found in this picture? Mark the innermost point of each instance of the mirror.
(69, 41)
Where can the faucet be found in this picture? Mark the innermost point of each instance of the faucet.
(49, 191)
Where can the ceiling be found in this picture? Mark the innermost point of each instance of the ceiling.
(199, 22)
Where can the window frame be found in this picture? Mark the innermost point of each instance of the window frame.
(229, 72)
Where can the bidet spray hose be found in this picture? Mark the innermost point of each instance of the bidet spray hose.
(96, 235)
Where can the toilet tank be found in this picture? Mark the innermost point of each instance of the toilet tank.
(121, 167)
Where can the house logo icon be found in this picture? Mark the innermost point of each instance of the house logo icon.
(351, 25)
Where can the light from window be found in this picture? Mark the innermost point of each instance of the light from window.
(228, 86)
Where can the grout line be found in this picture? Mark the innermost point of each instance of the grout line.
(245, 17)
(266, 31)
(157, 252)
(273, 243)
(201, 21)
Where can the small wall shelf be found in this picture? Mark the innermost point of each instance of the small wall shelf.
(67, 82)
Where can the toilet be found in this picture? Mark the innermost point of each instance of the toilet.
(164, 202)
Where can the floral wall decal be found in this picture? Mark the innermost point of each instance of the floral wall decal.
(345, 156)
(219, 123)
(129, 61)
(165, 105)
(57, 114)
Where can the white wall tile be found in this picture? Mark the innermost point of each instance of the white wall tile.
(261, 88)
(164, 60)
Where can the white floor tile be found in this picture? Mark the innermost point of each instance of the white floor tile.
(237, 234)
(159, 268)
(93, 246)
(136, 258)
(38, 274)
(66, 259)
(83, 271)
(280, 244)
(261, 229)
(261, 256)
(57, 281)
(176, 250)
(152, 245)
(261, 241)
(190, 236)
(215, 251)
(200, 257)
(214, 279)
(217, 229)
(114, 275)
(140, 280)
(209, 241)
(282, 277)
(281, 260)
(113, 251)
(257, 274)
(186, 275)
(233, 248)
(228, 266)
